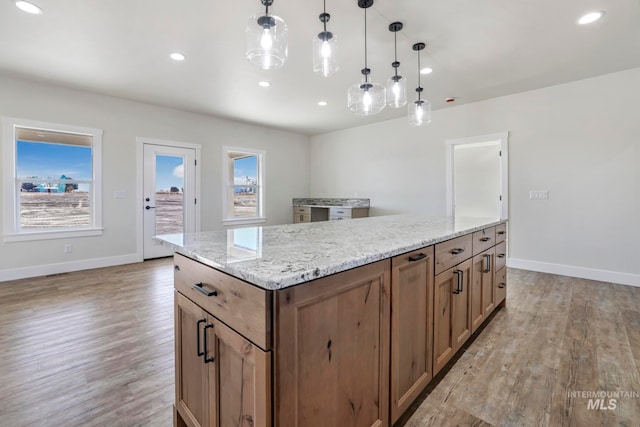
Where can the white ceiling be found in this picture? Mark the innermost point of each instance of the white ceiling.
(478, 50)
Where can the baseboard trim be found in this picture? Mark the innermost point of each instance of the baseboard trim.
(66, 267)
(573, 271)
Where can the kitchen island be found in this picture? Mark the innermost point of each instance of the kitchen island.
(329, 323)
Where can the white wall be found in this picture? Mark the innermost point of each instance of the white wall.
(580, 141)
(122, 121)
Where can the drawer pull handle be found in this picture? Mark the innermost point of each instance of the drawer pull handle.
(502, 285)
(501, 232)
(459, 279)
(198, 352)
(457, 251)
(207, 359)
(485, 239)
(199, 287)
(487, 260)
(500, 255)
(417, 257)
(176, 268)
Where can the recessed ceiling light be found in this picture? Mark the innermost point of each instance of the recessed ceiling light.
(28, 7)
(590, 17)
(426, 70)
(322, 103)
(176, 56)
(264, 83)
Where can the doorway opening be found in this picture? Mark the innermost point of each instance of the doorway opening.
(477, 176)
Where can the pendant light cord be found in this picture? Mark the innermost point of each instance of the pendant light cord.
(419, 85)
(324, 21)
(395, 47)
(366, 76)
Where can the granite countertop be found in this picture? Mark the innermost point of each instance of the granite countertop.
(277, 257)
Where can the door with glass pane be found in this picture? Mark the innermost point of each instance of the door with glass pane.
(169, 204)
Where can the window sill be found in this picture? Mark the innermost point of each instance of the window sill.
(244, 221)
(48, 235)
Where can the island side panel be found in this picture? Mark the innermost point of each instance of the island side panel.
(332, 350)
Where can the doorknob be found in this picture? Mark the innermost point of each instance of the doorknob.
(149, 207)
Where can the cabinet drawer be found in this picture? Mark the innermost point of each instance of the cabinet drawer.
(298, 218)
(304, 210)
(339, 212)
(483, 240)
(501, 255)
(453, 252)
(242, 306)
(501, 232)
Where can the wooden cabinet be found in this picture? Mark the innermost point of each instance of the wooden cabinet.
(222, 378)
(452, 313)
(411, 327)
(482, 287)
(332, 350)
(327, 213)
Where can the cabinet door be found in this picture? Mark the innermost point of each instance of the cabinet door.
(482, 289)
(192, 379)
(452, 313)
(241, 374)
(461, 327)
(501, 286)
(332, 350)
(443, 346)
(411, 327)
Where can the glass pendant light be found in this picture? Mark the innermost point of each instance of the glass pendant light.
(367, 97)
(396, 85)
(420, 110)
(267, 39)
(325, 46)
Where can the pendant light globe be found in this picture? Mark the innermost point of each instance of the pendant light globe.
(367, 97)
(267, 44)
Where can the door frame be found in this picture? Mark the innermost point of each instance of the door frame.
(140, 142)
(503, 138)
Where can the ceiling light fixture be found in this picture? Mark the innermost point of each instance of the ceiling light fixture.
(322, 103)
(325, 46)
(264, 83)
(396, 85)
(426, 71)
(366, 98)
(420, 110)
(590, 17)
(266, 39)
(29, 7)
(177, 56)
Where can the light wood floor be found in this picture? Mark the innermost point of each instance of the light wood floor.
(95, 348)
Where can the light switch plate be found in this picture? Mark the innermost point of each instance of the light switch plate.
(539, 194)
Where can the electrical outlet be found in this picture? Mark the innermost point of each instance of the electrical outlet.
(539, 194)
(68, 248)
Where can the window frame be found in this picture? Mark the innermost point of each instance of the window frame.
(12, 230)
(228, 157)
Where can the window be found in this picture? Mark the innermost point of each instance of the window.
(243, 170)
(52, 180)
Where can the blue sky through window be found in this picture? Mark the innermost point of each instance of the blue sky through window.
(245, 167)
(46, 160)
(169, 172)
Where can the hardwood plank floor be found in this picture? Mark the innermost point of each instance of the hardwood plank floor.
(95, 348)
(91, 348)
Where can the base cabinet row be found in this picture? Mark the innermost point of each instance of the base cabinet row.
(352, 349)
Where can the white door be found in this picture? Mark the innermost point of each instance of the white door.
(169, 201)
